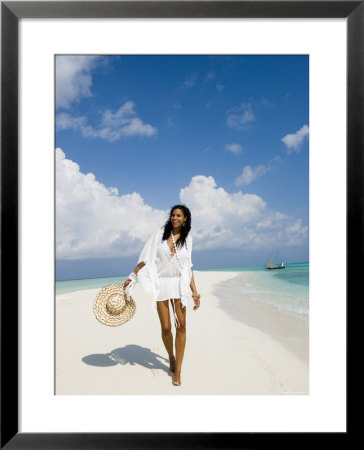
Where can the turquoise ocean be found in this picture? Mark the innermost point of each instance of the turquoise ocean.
(286, 289)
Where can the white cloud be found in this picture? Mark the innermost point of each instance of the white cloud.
(234, 148)
(267, 103)
(73, 78)
(294, 141)
(250, 174)
(240, 116)
(210, 75)
(190, 81)
(65, 121)
(94, 221)
(112, 125)
(169, 122)
(219, 88)
(222, 220)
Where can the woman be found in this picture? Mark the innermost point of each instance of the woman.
(164, 270)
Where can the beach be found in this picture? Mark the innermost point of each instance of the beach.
(234, 345)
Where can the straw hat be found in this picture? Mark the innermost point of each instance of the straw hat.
(111, 307)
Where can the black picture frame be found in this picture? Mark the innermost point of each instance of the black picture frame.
(11, 12)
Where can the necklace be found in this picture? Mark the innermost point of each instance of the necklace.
(175, 249)
(174, 243)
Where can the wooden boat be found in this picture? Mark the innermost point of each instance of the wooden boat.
(271, 265)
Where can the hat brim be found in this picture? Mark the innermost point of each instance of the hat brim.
(101, 312)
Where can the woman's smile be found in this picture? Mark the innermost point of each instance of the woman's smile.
(177, 218)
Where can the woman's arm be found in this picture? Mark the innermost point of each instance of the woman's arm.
(136, 270)
(145, 255)
(138, 267)
(192, 284)
(196, 298)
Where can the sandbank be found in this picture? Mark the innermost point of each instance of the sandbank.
(234, 346)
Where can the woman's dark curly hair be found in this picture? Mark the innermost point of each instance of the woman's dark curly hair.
(185, 228)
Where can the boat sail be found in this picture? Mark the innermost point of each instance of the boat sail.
(270, 265)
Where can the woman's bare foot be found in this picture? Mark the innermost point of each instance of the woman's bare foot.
(176, 380)
(172, 367)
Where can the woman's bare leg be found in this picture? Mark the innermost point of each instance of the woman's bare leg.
(167, 337)
(180, 340)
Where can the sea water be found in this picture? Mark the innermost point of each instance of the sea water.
(286, 289)
(64, 287)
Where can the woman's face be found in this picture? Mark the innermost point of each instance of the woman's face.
(177, 218)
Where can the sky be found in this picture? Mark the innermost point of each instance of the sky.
(226, 135)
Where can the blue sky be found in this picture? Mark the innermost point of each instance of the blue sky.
(226, 135)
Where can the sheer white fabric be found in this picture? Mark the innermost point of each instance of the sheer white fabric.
(165, 276)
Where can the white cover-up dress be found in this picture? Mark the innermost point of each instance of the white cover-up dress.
(164, 276)
(168, 272)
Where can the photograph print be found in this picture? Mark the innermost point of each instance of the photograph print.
(182, 212)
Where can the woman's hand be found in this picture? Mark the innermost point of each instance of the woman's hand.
(132, 277)
(197, 303)
(127, 282)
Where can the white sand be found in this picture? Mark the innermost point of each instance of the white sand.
(266, 353)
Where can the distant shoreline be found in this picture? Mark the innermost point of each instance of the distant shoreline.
(76, 285)
(227, 269)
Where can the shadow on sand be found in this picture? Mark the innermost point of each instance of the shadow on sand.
(132, 354)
